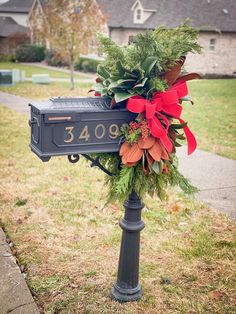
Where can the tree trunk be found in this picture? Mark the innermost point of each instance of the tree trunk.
(72, 83)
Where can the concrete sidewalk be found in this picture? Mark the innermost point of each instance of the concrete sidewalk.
(92, 76)
(213, 175)
(66, 80)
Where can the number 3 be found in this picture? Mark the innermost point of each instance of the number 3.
(69, 129)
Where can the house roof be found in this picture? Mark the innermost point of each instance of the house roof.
(16, 6)
(8, 26)
(207, 15)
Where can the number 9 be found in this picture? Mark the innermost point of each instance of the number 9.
(114, 131)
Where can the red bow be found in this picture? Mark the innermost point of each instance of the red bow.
(168, 103)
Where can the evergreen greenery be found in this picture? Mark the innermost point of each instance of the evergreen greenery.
(138, 69)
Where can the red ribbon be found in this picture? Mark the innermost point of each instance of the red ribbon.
(167, 103)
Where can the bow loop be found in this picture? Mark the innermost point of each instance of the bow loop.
(168, 103)
(170, 97)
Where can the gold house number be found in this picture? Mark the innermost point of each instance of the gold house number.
(99, 132)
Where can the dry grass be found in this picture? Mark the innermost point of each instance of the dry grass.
(68, 240)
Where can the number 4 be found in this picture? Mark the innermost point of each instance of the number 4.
(84, 135)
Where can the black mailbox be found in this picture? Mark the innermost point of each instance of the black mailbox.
(70, 126)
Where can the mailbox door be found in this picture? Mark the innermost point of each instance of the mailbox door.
(79, 133)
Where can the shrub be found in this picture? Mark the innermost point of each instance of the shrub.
(86, 64)
(8, 58)
(52, 57)
(30, 53)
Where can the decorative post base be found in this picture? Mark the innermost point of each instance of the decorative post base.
(127, 287)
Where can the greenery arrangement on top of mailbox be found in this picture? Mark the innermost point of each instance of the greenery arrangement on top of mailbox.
(134, 123)
(147, 77)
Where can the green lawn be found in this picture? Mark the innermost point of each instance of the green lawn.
(68, 241)
(29, 70)
(212, 118)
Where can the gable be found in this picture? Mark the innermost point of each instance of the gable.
(206, 15)
(16, 6)
(8, 26)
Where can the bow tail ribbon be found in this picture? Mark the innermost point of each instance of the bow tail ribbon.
(158, 131)
(191, 140)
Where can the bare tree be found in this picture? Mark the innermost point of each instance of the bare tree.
(69, 26)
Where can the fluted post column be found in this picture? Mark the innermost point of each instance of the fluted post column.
(127, 287)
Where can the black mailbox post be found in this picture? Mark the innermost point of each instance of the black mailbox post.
(82, 125)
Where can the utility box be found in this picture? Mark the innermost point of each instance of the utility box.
(40, 79)
(16, 75)
(6, 78)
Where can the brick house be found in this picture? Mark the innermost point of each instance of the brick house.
(13, 24)
(11, 35)
(216, 20)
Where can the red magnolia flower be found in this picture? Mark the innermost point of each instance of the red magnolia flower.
(150, 147)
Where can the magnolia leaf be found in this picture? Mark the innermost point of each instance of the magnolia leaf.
(189, 77)
(126, 81)
(148, 64)
(129, 76)
(177, 144)
(122, 96)
(116, 90)
(155, 167)
(142, 83)
(113, 84)
(106, 82)
(179, 126)
(102, 71)
(172, 75)
(140, 91)
(180, 136)
(138, 73)
(186, 98)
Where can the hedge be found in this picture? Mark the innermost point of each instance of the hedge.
(30, 53)
(86, 64)
(8, 58)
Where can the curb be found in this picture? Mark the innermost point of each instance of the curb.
(15, 296)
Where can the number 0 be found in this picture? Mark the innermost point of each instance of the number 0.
(102, 132)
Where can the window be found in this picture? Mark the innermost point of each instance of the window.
(212, 44)
(138, 14)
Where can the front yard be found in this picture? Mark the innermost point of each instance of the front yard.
(68, 240)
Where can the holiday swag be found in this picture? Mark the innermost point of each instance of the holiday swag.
(147, 78)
